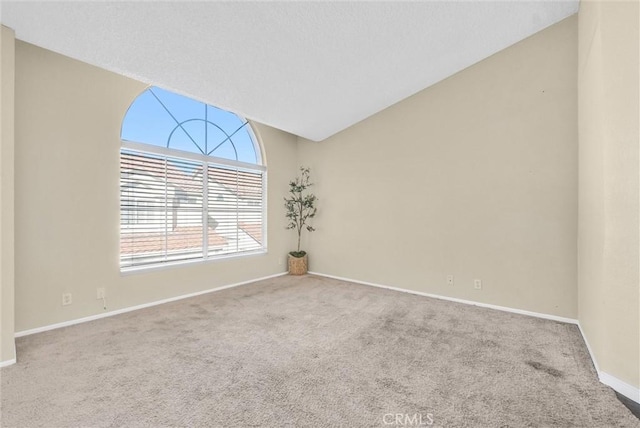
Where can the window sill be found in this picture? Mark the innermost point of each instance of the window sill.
(172, 265)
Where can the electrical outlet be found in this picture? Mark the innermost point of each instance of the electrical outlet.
(66, 299)
(101, 293)
(477, 284)
(449, 279)
(280, 261)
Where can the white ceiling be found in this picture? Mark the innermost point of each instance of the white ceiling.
(309, 68)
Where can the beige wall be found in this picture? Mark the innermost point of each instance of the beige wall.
(608, 273)
(68, 116)
(7, 57)
(475, 177)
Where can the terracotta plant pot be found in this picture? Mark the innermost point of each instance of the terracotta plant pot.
(297, 265)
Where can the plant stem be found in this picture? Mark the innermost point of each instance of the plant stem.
(300, 219)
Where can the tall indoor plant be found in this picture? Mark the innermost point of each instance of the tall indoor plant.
(300, 207)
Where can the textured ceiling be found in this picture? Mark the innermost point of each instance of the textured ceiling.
(311, 69)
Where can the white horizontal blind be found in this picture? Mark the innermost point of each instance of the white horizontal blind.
(235, 209)
(163, 211)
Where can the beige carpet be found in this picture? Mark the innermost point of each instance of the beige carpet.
(294, 352)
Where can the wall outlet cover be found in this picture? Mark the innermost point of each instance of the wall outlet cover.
(67, 299)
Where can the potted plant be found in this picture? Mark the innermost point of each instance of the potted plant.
(300, 207)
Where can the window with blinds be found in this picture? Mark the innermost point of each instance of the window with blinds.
(179, 202)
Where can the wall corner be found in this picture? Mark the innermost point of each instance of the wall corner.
(7, 144)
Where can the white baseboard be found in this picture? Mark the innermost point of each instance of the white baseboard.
(7, 363)
(622, 387)
(453, 299)
(618, 385)
(629, 391)
(591, 354)
(135, 308)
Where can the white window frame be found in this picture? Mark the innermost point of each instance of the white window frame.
(205, 160)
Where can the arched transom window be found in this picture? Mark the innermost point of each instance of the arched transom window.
(191, 182)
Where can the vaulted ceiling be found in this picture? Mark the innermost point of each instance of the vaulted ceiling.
(309, 68)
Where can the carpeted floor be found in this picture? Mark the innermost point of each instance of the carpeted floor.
(309, 351)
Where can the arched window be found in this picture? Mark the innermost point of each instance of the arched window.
(191, 182)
